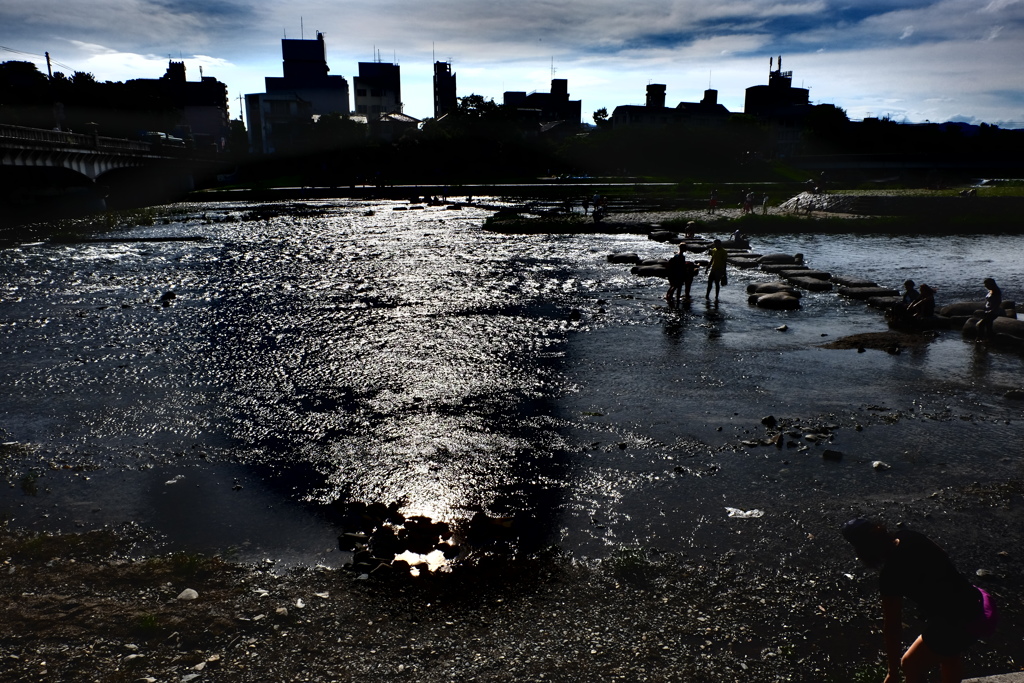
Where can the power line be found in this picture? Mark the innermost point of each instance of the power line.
(43, 57)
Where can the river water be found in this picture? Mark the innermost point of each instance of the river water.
(322, 352)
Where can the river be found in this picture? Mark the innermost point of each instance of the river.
(224, 394)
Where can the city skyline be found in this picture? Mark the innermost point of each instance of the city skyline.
(913, 60)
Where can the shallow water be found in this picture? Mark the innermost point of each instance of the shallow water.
(315, 353)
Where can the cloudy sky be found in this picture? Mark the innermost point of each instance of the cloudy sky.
(912, 60)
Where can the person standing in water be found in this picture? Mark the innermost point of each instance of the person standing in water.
(956, 613)
(680, 274)
(993, 309)
(716, 268)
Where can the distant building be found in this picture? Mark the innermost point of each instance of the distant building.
(707, 112)
(202, 104)
(779, 99)
(276, 121)
(391, 126)
(546, 107)
(378, 89)
(445, 100)
(782, 106)
(276, 117)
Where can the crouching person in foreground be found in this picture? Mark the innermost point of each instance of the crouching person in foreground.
(956, 613)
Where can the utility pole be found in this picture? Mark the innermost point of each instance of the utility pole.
(240, 110)
(49, 69)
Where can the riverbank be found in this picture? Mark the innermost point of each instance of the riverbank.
(833, 214)
(85, 607)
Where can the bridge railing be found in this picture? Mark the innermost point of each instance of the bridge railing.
(53, 138)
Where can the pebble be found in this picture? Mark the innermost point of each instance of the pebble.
(880, 466)
(188, 594)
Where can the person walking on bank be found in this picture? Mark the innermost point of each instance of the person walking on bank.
(716, 268)
(956, 613)
(993, 309)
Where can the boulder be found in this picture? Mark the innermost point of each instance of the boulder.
(971, 308)
(779, 267)
(1010, 328)
(662, 235)
(624, 257)
(865, 293)
(844, 281)
(883, 302)
(778, 301)
(650, 270)
(742, 262)
(811, 284)
(772, 288)
(806, 272)
(961, 308)
(783, 258)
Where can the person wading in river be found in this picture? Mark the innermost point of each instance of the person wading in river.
(680, 274)
(956, 613)
(993, 309)
(716, 268)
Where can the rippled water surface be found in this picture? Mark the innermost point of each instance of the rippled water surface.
(327, 352)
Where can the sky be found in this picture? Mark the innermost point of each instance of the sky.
(910, 60)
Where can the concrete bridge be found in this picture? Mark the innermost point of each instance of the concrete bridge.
(39, 167)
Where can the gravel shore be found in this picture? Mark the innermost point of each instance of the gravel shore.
(792, 606)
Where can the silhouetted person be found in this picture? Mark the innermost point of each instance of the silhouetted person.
(680, 274)
(910, 292)
(956, 613)
(924, 305)
(993, 309)
(716, 269)
(900, 311)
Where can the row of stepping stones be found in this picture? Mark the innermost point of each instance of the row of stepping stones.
(796, 276)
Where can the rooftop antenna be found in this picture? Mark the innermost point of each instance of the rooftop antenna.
(553, 69)
(241, 110)
(302, 28)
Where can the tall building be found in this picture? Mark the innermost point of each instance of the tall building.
(275, 119)
(378, 89)
(203, 104)
(546, 107)
(444, 89)
(306, 75)
(778, 99)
